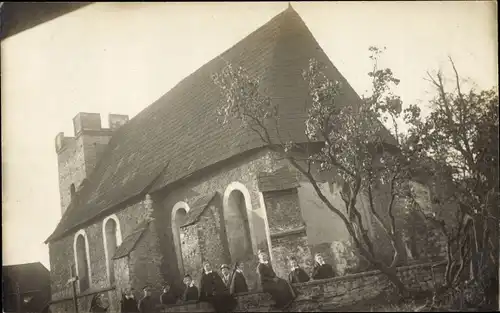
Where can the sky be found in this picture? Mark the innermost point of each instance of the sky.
(120, 57)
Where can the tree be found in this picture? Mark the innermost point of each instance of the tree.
(461, 143)
(353, 144)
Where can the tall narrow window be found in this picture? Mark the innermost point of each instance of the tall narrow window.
(82, 263)
(179, 213)
(112, 239)
(237, 227)
(111, 242)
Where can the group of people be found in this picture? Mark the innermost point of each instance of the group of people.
(219, 289)
(281, 291)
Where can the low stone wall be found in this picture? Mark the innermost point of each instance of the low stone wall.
(324, 295)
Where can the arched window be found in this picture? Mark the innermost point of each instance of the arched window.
(236, 217)
(82, 257)
(179, 213)
(72, 191)
(112, 239)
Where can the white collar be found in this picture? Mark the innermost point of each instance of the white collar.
(264, 262)
(129, 297)
(295, 268)
(239, 271)
(322, 263)
(208, 272)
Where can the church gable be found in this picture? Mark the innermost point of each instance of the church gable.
(249, 202)
(182, 128)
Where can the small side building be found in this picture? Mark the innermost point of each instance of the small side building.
(25, 287)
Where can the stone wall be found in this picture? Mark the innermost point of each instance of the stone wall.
(283, 210)
(325, 295)
(77, 159)
(154, 261)
(161, 264)
(205, 241)
(236, 174)
(191, 256)
(213, 245)
(62, 254)
(145, 262)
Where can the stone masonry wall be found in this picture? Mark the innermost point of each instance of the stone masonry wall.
(77, 160)
(62, 254)
(288, 231)
(213, 246)
(243, 170)
(328, 294)
(191, 255)
(122, 281)
(145, 263)
(283, 210)
(204, 242)
(71, 169)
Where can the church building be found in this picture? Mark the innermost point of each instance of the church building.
(150, 199)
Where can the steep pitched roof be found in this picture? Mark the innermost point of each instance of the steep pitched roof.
(198, 208)
(182, 126)
(128, 244)
(30, 276)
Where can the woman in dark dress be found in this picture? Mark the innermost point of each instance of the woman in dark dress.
(96, 305)
(238, 281)
(297, 274)
(129, 303)
(322, 270)
(214, 291)
(281, 291)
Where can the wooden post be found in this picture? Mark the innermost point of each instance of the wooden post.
(73, 281)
